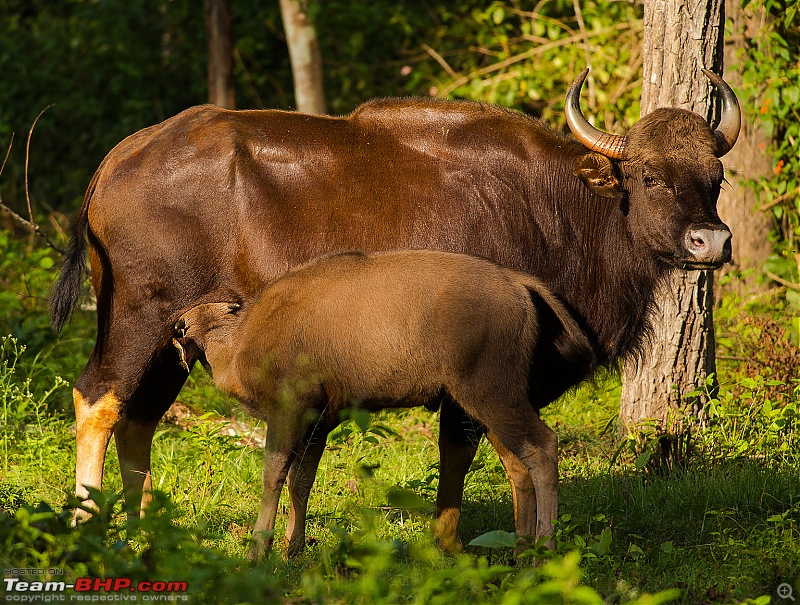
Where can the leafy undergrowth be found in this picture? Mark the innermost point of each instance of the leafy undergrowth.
(723, 530)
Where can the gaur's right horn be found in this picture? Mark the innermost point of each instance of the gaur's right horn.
(613, 146)
(731, 120)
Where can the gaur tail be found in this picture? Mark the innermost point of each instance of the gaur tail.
(67, 288)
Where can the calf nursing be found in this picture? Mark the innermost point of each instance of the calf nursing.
(399, 329)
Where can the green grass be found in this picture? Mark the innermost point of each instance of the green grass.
(725, 529)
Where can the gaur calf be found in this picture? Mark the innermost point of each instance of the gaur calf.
(395, 329)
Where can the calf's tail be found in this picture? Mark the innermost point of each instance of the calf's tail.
(572, 343)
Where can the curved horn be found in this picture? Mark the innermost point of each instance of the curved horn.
(613, 146)
(731, 120)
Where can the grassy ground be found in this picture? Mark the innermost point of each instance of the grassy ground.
(721, 531)
(724, 529)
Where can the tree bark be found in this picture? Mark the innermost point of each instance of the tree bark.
(220, 53)
(748, 159)
(680, 38)
(305, 57)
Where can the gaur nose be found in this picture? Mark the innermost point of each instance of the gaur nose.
(709, 244)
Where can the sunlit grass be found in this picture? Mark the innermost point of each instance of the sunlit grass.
(725, 527)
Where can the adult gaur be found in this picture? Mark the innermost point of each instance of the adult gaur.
(212, 204)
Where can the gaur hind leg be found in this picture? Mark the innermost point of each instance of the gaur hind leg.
(97, 411)
(459, 437)
(523, 493)
(515, 424)
(119, 391)
(134, 432)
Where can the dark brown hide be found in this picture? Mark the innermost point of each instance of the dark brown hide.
(397, 329)
(212, 204)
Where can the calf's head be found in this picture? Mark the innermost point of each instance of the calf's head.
(204, 333)
(667, 174)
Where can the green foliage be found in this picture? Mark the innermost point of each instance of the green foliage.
(771, 83)
(158, 549)
(744, 422)
(357, 568)
(26, 274)
(109, 68)
(28, 429)
(525, 56)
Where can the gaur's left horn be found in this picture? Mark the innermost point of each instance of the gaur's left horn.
(613, 146)
(731, 121)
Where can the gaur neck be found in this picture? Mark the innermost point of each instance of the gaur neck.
(581, 244)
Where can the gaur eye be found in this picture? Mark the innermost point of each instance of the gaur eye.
(651, 181)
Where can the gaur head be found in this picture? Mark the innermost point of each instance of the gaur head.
(202, 332)
(667, 175)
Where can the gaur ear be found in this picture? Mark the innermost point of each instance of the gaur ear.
(598, 174)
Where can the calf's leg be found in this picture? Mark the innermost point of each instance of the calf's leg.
(459, 437)
(523, 493)
(301, 478)
(515, 424)
(284, 435)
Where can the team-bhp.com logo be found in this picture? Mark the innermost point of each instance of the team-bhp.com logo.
(19, 590)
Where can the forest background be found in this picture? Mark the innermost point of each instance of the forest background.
(727, 528)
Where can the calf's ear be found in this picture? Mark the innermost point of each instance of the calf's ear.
(598, 173)
(178, 344)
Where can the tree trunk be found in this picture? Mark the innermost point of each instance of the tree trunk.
(680, 38)
(220, 53)
(305, 56)
(748, 159)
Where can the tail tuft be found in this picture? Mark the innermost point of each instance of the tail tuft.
(67, 288)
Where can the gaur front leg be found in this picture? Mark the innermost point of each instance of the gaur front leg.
(134, 441)
(284, 435)
(301, 478)
(459, 436)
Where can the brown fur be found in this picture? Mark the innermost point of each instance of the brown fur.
(211, 205)
(398, 329)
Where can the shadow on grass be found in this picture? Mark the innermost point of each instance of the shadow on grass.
(721, 532)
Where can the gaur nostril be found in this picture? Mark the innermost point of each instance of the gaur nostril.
(709, 245)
